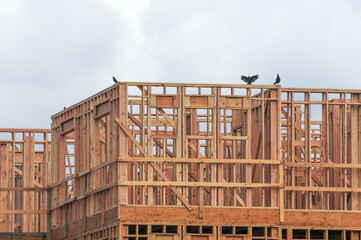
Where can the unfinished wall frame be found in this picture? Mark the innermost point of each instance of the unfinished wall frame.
(281, 163)
(320, 145)
(24, 159)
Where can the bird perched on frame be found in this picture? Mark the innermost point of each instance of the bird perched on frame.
(249, 79)
(278, 79)
(115, 80)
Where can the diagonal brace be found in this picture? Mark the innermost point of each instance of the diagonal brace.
(155, 166)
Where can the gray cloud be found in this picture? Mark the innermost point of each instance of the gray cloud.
(56, 53)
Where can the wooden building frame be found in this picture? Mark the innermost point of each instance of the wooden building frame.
(24, 158)
(207, 161)
(169, 161)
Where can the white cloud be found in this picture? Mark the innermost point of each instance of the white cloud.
(56, 53)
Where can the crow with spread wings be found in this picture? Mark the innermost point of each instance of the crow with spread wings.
(249, 79)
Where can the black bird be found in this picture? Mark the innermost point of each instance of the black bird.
(115, 80)
(64, 108)
(278, 79)
(249, 79)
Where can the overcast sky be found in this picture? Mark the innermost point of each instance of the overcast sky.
(56, 53)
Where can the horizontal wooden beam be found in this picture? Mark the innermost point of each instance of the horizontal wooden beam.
(198, 184)
(17, 211)
(243, 138)
(321, 189)
(21, 189)
(26, 130)
(201, 160)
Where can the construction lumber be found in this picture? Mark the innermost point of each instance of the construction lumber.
(199, 161)
(24, 155)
